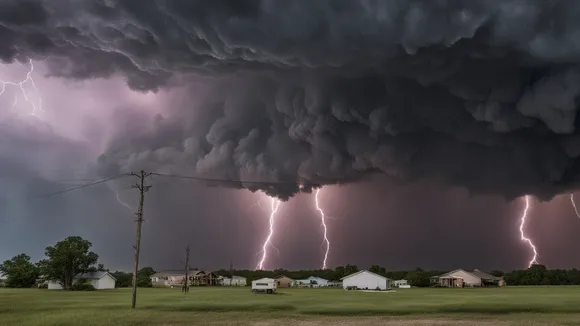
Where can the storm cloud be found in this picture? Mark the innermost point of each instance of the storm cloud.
(480, 94)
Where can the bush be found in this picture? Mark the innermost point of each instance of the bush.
(83, 285)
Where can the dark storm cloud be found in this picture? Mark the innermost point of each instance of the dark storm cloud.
(481, 94)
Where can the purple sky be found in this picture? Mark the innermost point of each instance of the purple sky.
(436, 118)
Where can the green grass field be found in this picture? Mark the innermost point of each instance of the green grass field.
(238, 306)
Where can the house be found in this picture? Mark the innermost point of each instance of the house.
(99, 280)
(176, 278)
(402, 284)
(365, 280)
(312, 281)
(283, 281)
(233, 281)
(462, 278)
(168, 278)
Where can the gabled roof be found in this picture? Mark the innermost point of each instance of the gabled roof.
(283, 276)
(317, 278)
(364, 271)
(94, 275)
(192, 272)
(476, 272)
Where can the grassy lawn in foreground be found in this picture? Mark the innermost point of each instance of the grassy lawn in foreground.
(494, 306)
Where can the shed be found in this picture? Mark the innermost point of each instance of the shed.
(365, 280)
(99, 280)
(283, 281)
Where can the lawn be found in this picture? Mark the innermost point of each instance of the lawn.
(238, 306)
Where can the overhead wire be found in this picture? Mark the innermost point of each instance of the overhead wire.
(90, 184)
(220, 180)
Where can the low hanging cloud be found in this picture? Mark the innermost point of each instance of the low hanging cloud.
(481, 94)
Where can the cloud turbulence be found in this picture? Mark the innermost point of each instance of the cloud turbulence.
(477, 93)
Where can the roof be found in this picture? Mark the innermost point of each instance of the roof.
(176, 273)
(317, 278)
(236, 277)
(484, 275)
(476, 272)
(283, 276)
(94, 275)
(265, 279)
(363, 271)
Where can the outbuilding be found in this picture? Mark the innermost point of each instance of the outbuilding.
(99, 280)
(365, 280)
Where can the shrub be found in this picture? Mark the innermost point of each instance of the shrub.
(83, 285)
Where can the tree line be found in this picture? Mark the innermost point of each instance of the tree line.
(535, 275)
(63, 261)
(72, 256)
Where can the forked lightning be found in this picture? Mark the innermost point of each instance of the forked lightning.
(274, 204)
(522, 234)
(324, 229)
(20, 84)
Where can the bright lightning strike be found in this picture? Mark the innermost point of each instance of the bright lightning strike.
(522, 235)
(275, 203)
(324, 228)
(20, 85)
(574, 205)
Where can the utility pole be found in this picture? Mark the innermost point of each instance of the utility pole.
(185, 288)
(140, 185)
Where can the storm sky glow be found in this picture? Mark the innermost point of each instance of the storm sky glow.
(239, 91)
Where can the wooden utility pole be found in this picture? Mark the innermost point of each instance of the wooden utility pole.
(140, 185)
(185, 288)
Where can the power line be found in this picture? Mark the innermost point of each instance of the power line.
(273, 183)
(90, 184)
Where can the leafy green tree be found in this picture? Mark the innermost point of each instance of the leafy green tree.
(497, 273)
(19, 272)
(418, 278)
(144, 277)
(378, 270)
(66, 259)
(124, 280)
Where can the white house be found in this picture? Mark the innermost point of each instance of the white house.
(99, 280)
(234, 281)
(461, 278)
(365, 280)
(312, 281)
(401, 284)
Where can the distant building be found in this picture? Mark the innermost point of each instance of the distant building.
(233, 281)
(402, 284)
(176, 278)
(462, 278)
(99, 280)
(312, 281)
(283, 281)
(365, 280)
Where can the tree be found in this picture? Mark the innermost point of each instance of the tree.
(124, 280)
(66, 259)
(144, 277)
(378, 270)
(19, 272)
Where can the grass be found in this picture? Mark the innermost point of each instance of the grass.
(238, 306)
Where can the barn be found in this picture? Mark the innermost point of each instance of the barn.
(99, 280)
(365, 280)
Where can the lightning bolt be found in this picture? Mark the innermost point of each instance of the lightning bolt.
(116, 192)
(274, 204)
(20, 85)
(522, 235)
(324, 228)
(574, 205)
